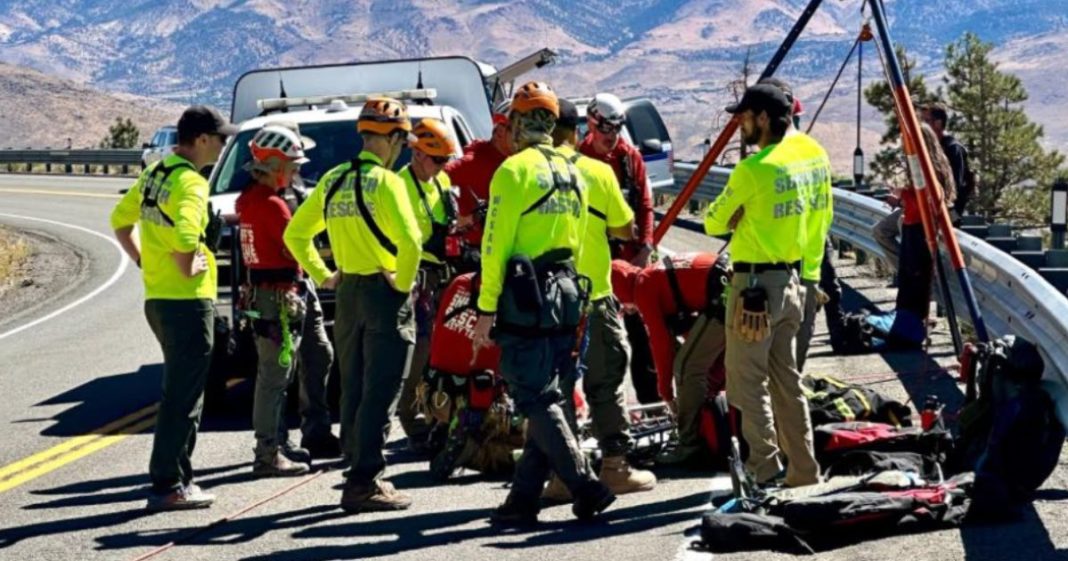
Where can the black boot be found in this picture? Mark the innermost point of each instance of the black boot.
(591, 500)
(325, 446)
(516, 511)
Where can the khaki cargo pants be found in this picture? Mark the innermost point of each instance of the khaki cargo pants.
(693, 363)
(604, 372)
(312, 353)
(764, 384)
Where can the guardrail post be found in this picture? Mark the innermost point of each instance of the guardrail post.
(68, 169)
(48, 167)
(106, 172)
(85, 169)
(126, 169)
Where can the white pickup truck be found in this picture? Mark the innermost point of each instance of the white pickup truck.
(325, 102)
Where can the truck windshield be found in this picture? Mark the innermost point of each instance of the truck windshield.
(336, 142)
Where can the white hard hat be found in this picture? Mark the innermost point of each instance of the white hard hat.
(608, 108)
(277, 141)
(306, 142)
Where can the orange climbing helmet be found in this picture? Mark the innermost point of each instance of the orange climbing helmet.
(383, 115)
(431, 137)
(535, 95)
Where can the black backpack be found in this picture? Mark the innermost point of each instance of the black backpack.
(833, 401)
(723, 532)
(1010, 435)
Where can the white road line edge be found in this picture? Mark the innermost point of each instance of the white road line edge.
(123, 263)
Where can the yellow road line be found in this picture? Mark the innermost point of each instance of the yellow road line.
(47, 461)
(61, 193)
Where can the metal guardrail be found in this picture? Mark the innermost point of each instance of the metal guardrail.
(67, 160)
(1013, 297)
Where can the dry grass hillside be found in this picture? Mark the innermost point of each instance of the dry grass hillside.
(38, 110)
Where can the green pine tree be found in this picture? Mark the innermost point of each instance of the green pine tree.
(1003, 144)
(889, 162)
(123, 134)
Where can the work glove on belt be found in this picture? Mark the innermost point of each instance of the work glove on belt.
(751, 319)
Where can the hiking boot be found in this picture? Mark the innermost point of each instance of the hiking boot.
(325, 446)
(556, 491)
(621, 478)
(679, 456)
(186, 497)
(515, 512)
(295, 453)
(277, 465)
(592, 500)
(379, 495)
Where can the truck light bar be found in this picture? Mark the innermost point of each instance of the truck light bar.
(277, 104)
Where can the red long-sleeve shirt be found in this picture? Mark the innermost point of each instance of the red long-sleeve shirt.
(642, 201)
(472, 174)
(910, 205)
(656, 303)
(263, 217)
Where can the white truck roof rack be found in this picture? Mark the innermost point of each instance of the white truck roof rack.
(280, 103)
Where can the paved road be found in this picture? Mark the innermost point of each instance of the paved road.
(65, 379)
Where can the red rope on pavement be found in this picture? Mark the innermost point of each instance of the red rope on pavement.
(215, 524)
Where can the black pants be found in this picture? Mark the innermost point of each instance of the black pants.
(914, 271)
(185, 330)
(642, 369)
(374, 330)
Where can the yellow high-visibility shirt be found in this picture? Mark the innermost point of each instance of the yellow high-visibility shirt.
(429, 207)
(514, 227)
(608, 209)
(785, 192)
(175, 224)
(355, 248)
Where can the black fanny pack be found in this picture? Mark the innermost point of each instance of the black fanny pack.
(543, 296)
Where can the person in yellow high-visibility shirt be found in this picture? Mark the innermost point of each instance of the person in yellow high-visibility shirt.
(773, 203)
(607, 357)
(430, 192)
(531, 289)
(169, 203)
(375, 240)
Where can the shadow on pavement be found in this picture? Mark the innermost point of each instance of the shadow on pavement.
(94, 403)
(1026, 539)
(12, 536)
(242, 530)
(430, 530)
(136, 487)
(408, 533)
(139, 480)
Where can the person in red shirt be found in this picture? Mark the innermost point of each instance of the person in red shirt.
(914, 260)
(472, 174)
(287, 317)
(605, 116)
(680, 295)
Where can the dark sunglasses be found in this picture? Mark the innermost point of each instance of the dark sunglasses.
(440, 160)
(608, 128)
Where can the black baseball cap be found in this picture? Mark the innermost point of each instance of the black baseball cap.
(201, 119)
(569, 117)
(763, 97)
(781, 84)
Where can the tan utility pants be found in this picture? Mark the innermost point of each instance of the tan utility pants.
(764, 384)
(693, 363)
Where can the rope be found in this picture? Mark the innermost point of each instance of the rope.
(233, 516)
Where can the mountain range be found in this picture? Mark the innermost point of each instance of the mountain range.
(680, 53)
